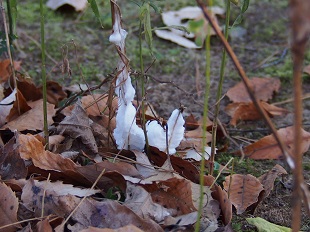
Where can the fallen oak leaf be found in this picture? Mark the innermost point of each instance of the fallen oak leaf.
(247, 111)
(78, 125)
(30, 148)
(32, 119)
(268, 148)
(263, 89)
(243, 190)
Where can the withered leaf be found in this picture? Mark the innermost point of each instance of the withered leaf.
(32, 119)
(247, 111)
(44, 226)
(140, 202)
(173, 193)
(78, 125)
(32, 148)
(243, 190)
(267, 147)
(12, 165)
(268, 179)
(5, 69)
(8, 208)
(20, 106)
(226, 207)
(55, 92)
(263, 89)
(97, 104)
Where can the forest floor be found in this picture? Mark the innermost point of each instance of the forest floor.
(263, 34)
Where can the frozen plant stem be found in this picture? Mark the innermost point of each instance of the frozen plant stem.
(43, 70)
(219, 89)
(127, 134)
(204, 127)
(142, 87)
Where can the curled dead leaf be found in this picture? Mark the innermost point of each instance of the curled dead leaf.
(268, 179)
(247, 111)
(267, 147)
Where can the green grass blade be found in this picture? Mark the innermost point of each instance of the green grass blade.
(94, 7)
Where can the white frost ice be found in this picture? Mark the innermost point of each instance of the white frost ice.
(127, 134)
(157, 134)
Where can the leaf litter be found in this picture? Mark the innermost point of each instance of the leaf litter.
(154, 191)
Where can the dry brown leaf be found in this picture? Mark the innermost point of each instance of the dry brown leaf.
(247, 111)
(78, 5)
(32, 119)
(243, 190)
(183, 167)
(12, 165)
(210, 207)
(32, 196)
(108, 180)
(61, 189)
(78, 125)
(140, 202)
(109, 214)
(226, 207)
(20, 106)
(174, 193)
(5, 69)
(8, 208)
(44, 226)
(55, 92)
(242, 111)
(99, 105)
(263, 89)
(268, 178)
(144, 166)
(267, 147)
(32, 149)
(129, 228)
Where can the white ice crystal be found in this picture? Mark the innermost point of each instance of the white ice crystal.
(127, 134)
(157, 135)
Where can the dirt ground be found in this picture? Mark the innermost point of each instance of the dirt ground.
(179, 73)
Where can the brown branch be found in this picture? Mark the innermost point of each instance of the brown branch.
(300, 19)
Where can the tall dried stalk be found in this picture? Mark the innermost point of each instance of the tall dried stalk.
(300, 19)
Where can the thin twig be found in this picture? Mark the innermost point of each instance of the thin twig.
(300, 22)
